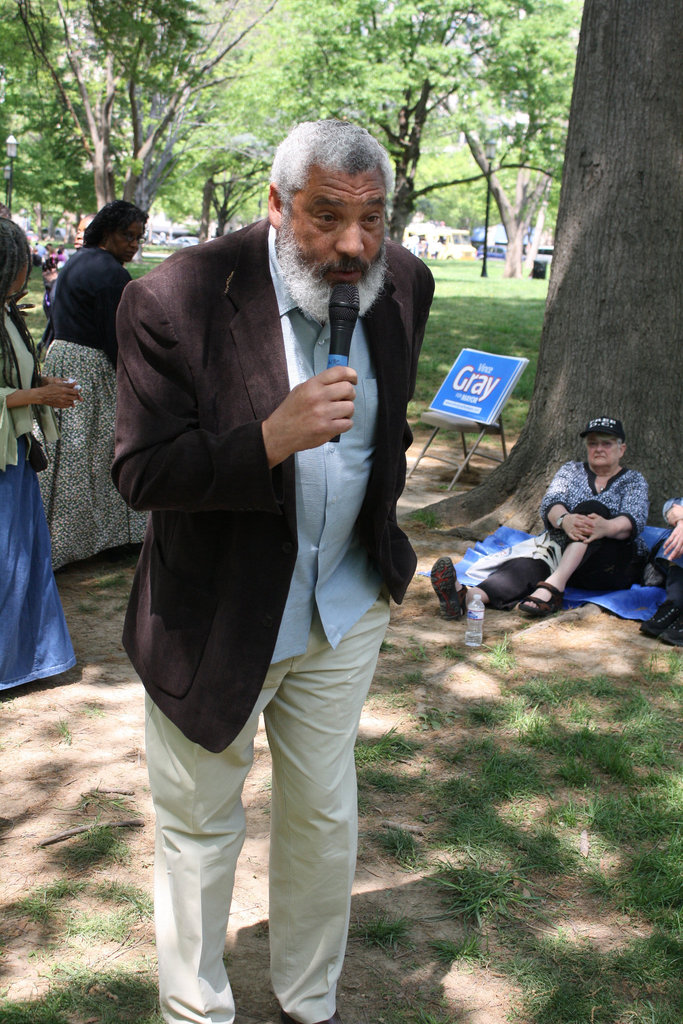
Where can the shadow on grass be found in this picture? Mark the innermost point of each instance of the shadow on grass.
(553, 844)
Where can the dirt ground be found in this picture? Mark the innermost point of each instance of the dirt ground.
(63, 739)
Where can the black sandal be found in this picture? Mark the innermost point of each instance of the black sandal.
(537, 608)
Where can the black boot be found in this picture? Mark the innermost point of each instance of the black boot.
(663, 619)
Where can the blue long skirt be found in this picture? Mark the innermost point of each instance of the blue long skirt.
(34, 639)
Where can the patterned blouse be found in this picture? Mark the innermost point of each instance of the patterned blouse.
(626, 494)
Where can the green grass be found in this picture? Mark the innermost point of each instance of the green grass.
(575, 787)
(500, 656)
(388, 782)
(383, 930)
(64, 732)
(43, 903)
(468, 950)
(402, 846)
(434, 718)
(77, 994)
(102, 845)
(391, 747)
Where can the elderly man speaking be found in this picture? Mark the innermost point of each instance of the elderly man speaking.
(272, 550)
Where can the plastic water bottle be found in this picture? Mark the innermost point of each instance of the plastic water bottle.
(475, 621)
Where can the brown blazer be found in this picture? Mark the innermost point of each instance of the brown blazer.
(201, 364)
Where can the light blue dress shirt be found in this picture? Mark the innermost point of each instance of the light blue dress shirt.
(333, 570)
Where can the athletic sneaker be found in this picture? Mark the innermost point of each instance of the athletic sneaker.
(666, 616)
(451, 600)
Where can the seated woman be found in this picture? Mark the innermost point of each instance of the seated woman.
(595, 511)
(667, 621)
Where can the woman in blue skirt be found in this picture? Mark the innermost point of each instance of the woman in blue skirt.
(34, 640)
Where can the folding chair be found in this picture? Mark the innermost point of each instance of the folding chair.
(471, 400)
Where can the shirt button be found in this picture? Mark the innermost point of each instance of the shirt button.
(267, 621)
(288, 547)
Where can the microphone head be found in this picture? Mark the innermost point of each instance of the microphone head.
(345, 302)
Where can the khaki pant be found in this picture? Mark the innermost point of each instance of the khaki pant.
(311, 707)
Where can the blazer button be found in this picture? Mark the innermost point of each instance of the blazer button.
(288, 547)
(268, 621)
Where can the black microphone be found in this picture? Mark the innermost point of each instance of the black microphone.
(344, 306)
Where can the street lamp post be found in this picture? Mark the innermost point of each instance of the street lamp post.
(490, 150)
(11, 144)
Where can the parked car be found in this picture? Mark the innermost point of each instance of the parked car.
(184, 240)
(493, 252)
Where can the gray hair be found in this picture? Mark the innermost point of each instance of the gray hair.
(332, 145)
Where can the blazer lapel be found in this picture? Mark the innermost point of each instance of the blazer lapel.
(255, 326)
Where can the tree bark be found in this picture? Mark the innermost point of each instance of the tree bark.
(207, 197)
(611, 340)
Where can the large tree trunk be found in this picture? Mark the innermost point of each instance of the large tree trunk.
(611, 341)
(207, 197)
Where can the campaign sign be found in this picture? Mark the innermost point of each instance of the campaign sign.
(478, 386)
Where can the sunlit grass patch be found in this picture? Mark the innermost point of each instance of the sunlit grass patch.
(121, 892)
(475, 892)
(92, 710)
(392, 746)
(501, 656)
(92, 926)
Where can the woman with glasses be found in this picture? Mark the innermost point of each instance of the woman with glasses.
(595, 511)
(34, 640)
(84, 511)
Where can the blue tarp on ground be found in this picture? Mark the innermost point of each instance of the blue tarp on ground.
(636, 603)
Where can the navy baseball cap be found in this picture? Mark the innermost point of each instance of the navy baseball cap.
(604, 425)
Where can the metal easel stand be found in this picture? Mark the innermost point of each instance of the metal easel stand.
(442, 422)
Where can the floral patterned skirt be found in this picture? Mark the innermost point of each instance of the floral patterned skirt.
(85, 513)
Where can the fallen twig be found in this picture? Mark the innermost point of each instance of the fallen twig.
(69, 832)
(121, 792)
(405, 828)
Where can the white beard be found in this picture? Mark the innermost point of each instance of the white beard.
(306, 283)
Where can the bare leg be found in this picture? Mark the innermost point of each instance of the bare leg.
(571, 559)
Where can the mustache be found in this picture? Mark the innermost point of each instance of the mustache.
(345, 265)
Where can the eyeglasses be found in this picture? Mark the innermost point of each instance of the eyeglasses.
(130, 237)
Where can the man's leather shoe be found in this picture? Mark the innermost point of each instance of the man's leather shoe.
(286, 1019)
